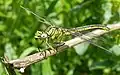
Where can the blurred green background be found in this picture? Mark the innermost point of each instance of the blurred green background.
(17, 29)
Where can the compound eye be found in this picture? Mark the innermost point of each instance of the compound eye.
(44, 36)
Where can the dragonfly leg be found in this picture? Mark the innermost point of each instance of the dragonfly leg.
(39, 50)
(49, 45)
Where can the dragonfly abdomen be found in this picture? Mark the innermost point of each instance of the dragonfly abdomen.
(89, 27)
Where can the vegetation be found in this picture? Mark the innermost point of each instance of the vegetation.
(18, 27)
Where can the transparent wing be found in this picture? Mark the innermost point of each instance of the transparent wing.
(40, 19)
(94, 42)
(109, 42)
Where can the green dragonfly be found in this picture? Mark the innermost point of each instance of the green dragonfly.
(55, 34)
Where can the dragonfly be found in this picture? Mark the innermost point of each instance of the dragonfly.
(54, 34)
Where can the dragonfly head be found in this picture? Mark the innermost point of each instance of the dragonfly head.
(41, 35)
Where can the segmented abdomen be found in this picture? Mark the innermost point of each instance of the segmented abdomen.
(89, 27)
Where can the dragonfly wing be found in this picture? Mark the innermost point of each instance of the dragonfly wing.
(93, 42)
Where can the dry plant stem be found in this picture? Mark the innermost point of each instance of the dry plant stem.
(26, 61)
